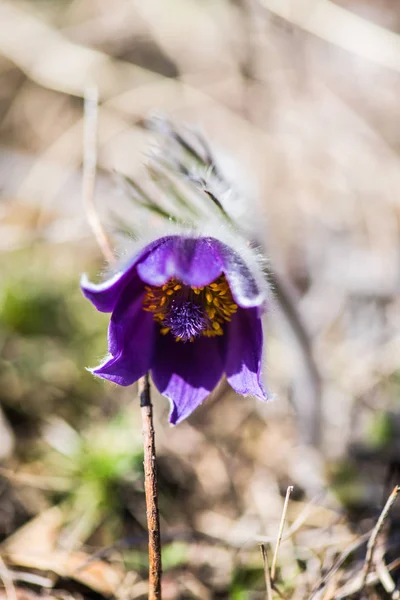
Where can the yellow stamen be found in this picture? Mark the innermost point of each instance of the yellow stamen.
(215, 298)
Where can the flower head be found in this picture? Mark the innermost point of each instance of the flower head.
(188, 309)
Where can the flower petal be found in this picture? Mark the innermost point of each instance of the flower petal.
(186, 373)
(244, 287)
(244, 338)
(105, 295)
(131, 337)
(194, 261)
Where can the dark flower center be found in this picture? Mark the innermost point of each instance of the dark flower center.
(187, 312)
(186, 319)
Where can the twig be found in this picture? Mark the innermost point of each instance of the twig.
(8, 582)
(32, 579)
(342, 558)
(303, 516)
(342, 28)
(267, 575)
(382, 571)
(89, 173)
(374, 536)
(296, 525)
(150, 479)
(355, 585)
(280, 533)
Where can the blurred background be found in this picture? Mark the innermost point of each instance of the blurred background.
(300, 100)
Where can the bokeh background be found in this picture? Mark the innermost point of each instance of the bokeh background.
(300, 100)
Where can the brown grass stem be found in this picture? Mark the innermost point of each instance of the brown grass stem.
(151, 490)
(375, 533)
(280, 532)
(89, 172)
(267, 575)
(355, 585)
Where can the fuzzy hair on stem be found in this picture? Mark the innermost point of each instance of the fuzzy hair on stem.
(151, 489)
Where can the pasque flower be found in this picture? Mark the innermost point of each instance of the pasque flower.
(188, 309)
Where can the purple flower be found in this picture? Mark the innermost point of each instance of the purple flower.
(188, 309)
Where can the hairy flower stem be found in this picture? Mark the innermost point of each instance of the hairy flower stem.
(151, 489)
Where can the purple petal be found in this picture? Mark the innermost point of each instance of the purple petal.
(186, 372)
(131, 338)
(105, 295)
(244, 339)
(244, 287)
(194, 261)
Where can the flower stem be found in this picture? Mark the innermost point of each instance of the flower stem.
(151, 489)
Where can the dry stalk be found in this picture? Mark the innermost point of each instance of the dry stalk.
(267, 575)
(342, 558)
(376, 531)
(89, 173)
(280, 532)
(296, 525)
(355, 585)
(383, 573)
